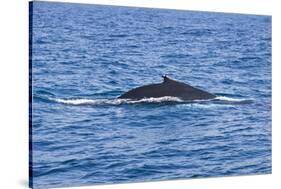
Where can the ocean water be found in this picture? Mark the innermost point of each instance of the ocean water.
(84, 56)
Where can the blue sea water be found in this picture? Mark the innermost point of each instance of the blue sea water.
(84, 56)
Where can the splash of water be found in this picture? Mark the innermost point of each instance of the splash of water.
(165, 99)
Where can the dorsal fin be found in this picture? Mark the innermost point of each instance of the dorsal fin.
(165, 78)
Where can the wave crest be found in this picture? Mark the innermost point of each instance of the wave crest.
(230, 100)
(165, 99)
(115, 101)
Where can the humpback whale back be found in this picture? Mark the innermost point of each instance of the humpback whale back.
(168, 87)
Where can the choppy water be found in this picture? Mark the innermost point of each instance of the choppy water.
(84, 56)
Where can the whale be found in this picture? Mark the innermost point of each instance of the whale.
(168, 88)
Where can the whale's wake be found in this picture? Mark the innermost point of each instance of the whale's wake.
(115, 101)
(160, 100)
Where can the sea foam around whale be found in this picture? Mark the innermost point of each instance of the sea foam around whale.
(159, 100)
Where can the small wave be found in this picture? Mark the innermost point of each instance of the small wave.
(76, 101)
(228, 99)
(225, 99)
(160, 100)
(115, 101)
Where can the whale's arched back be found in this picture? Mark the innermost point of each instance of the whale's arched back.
(168, 87)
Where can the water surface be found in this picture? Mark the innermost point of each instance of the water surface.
(84, 56)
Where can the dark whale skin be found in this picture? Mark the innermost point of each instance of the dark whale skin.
(168, 87)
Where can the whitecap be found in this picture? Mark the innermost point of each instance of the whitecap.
(82, 101)
(159, 100)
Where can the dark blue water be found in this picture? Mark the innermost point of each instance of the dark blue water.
(84, 56)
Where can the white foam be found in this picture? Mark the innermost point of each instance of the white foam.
(200, 105)
(85, 101)
(115, 101)
(224, 98)
(75, 101)
(158, 100)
